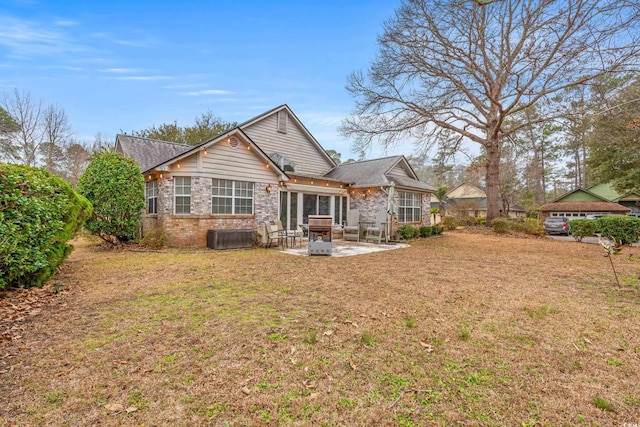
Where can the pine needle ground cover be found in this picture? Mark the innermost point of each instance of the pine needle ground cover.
(462, 329)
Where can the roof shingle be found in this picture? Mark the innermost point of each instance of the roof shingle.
(149, 152)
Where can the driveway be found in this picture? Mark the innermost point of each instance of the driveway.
(591, 239)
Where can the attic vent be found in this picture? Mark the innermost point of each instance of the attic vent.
(282, 162)
(233, 142)
(282, 121)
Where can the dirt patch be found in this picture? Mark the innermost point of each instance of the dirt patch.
(460, 329)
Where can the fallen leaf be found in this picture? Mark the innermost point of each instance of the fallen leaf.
(353, 365)
(328, 333)
(427, 347)
(314, 395)
(131, 409)
(246, 390)
(114, 407)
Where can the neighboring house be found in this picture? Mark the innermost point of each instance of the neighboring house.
(468, 200)
(599, 199)
(267, 168)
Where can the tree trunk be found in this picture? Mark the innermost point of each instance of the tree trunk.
(493, 177)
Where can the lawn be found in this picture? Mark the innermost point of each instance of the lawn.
(462, 329)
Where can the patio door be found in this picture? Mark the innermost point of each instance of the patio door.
(289, 209)
(315, 204)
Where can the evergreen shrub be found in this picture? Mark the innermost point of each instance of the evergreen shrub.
(39, 214)
(115, 187)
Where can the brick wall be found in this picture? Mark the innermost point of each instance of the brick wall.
(191, 230)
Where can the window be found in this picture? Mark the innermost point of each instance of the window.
(231, 197)
(282, 121)
(182, 194)
(152, 196)
(409, 207)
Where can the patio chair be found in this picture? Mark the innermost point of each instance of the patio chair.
(291, 235)
(351, 229)
(272, 233)
(375, 231)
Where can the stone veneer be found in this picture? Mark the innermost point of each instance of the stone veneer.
(377, 200)
(191, 230)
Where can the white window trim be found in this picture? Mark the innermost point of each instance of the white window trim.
(176, 195)
(417, 205)
(233, 197)
(152, 185)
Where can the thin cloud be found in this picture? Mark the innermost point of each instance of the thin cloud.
(209, 92)
(65, 23)
(27, 38)
(121, 70)
(142, 78)
(144, 40)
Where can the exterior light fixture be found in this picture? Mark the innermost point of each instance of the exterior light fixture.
(178, 165)
(205, 151)
(268, 188)
(311, 182)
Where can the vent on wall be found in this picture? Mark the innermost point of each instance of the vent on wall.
(233, 142)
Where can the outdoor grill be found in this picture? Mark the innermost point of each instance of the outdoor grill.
(320, 234)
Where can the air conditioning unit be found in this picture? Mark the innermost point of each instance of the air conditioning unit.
(229, 239)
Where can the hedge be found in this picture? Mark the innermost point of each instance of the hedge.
(39, 214)
(622, 229)
(581, 228)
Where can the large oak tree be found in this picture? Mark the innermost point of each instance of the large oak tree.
(468, 66)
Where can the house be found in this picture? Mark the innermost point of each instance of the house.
(469, 200)
(599, 199)
(266, 168)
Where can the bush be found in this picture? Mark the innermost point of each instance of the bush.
(437, 230)
(468, 221)
(527, 226)
(622, 229)
(39, 213)
(115, 187)
(501, 225)
(154, 239)
(450, 223)
(583, 228)
(408, 232)
(426, 231)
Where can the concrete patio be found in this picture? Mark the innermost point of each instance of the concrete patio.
(342, 248)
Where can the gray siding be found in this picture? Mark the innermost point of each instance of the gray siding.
(399, 171)
(294, 145)
(225, 162)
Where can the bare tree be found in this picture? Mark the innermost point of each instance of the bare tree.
(57, 131)
(23, 145)
(468, 67)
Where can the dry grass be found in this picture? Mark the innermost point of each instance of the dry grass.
(459, 330)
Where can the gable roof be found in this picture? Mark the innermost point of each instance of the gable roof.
(577, 194)
(477, 190)
(376, 172)
(149, 152)
(604, 190)
(297, 121)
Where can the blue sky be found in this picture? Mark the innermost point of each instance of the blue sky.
(128, 65)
